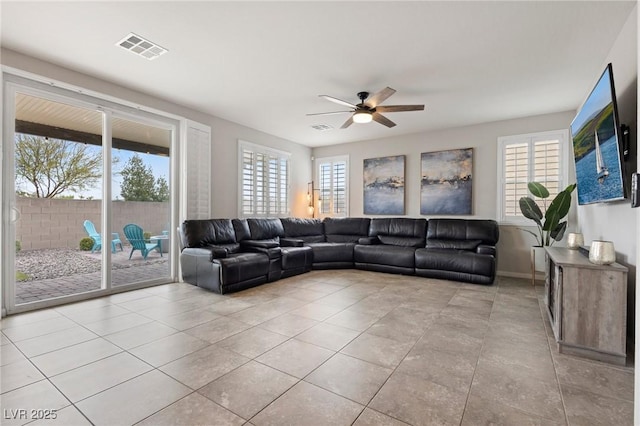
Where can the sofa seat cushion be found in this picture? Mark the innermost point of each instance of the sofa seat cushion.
(332, 252)
(460, 261)
(384, 254)
(240, 267)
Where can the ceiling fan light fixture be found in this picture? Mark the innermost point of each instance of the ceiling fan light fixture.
(362, 117)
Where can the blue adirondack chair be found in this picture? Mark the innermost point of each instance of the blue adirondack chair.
(97, 239)
(135, 235)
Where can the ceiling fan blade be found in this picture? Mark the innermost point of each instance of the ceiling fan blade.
(380, 97)
(379, 118)
(329, 113)
(398, 108)
(338, 101)
(347, 123)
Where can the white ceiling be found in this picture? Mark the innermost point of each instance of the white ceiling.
(263, 64)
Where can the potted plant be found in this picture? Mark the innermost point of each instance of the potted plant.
(551, 227)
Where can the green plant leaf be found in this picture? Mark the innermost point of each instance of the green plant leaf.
(558, 209)
(538, 190)
(530, 210)
(559, 230)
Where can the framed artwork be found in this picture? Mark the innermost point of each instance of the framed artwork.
(446, 182)
(384, 185)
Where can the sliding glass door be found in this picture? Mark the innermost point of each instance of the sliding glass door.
(87, 189)
(141, 202)
(58, 163)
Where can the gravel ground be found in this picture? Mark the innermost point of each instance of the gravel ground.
(53, 263)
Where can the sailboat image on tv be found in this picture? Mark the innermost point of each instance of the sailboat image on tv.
(601, 168)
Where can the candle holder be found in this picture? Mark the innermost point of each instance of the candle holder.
(602, 252)
(575, 240)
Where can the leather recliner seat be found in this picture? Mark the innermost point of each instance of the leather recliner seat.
(391, 245)
(295, 257)
(341, 237)
(459, 249)
(211, 257)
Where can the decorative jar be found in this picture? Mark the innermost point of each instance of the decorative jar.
(602, 252)
(575, 240)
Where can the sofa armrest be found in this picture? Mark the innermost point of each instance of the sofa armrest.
(291, 242)
(369, 241)
(486, 249)
(265, 244)
(271, 252)
(217, 252)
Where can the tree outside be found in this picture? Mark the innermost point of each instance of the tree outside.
(139, 183)
(55, 168)
(47, 168)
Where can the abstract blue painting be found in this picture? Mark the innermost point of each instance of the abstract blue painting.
(446, 183)
(384, 185)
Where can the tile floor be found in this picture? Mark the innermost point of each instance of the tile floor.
(323, 348)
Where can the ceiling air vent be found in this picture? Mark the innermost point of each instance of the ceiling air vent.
(321, 127)
(141, 46)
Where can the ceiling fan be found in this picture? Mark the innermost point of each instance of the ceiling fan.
(369, 108)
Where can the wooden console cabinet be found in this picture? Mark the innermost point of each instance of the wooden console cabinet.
(587, 305)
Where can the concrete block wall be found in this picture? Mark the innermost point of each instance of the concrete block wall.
(55, 223)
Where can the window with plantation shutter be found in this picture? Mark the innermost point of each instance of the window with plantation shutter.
(332, 184)
(196, 189)
(264, 181)
(537, 157)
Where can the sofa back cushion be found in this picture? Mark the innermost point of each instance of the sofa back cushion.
(266, 229)
(403, 232)
(202, 233)
(307, 230)
(241, 228)
(346, 229)
(486, 231)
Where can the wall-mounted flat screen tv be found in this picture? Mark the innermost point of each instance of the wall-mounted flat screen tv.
(596, 145)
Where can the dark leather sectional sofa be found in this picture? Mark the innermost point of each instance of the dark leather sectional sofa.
(227, 255)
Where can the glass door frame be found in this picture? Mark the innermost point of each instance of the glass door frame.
(15, 83)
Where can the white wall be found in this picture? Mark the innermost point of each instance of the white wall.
(616, 221)
(513, 248)
(225, 134)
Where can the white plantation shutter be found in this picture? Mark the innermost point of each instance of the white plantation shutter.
(546, 165)
(197, 171)
(247, 182)
(539, 157)
(332, 183)
(264, 181)
(516, 176)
